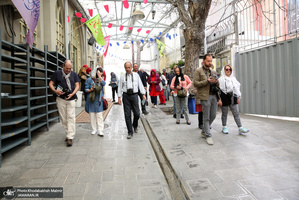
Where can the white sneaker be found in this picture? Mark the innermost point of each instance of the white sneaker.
(93, 132)
(155, 106)
(243, 131)
(100, 133)
(225, 130)
(209, 141)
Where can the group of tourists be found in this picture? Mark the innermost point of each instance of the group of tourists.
(209, 90)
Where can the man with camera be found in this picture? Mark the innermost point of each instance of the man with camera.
(128, 87)
(67, 85)
(206, 83)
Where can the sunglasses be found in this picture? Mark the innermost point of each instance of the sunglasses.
(228, 69)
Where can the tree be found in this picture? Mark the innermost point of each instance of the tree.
(194, 18)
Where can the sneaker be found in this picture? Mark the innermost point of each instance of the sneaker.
(69, 142)
(225, 130)
(243, 130)
(93, 132)
(136, 130)
(155, 106)
(203, 135)
(209, 141)
(177, 121)
(100, 133)
(129, 136)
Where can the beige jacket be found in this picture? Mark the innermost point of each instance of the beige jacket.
(201, 83)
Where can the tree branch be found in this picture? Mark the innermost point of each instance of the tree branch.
(184, 15)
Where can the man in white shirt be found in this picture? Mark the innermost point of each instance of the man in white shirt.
(128, 87)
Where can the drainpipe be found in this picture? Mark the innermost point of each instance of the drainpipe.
(66, 35)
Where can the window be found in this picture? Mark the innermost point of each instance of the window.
(24, 31)
(59, 29)
(75, 50)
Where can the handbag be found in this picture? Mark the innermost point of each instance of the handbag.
(182, 93)
(105, 104)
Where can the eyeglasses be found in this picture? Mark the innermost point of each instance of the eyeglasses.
(228, 69)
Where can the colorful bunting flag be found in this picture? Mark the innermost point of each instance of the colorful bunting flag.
(138, 30)
(161, 47)
(90, 12)
(148, 31)
(126, 4)
(68, 19)
(130, 28)
(121, 27)
(94, 24)
(30, 13)
(106, 8)
(78, 14)
(109, 25)
(145, 1)
(107, 41)
(83, 20)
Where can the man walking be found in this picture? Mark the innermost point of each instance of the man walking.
(128, 87)
(135, 69)
(206, 84)
(67, 85)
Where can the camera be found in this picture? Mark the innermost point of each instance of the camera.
(214, 88)
(66, 91)
(130, 91)
(230, 94)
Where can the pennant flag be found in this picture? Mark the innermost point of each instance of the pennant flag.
(167, 34)
(30, 13)
(109, 25)
(83, 20)
(157, 38)
(126, 4)
(106, 8)
(148, 31)
(173, 35)
(90, 12)
(142, 41)
(151, 39)
(107, 41)
(110, 45)
(68, 19)
(138, 30)
(130, 28)
(78, 14)
(161, 47)
(176, 34)
(117, 43)
(132, 41)
(121, 27)
(170, 37)
(94, 24)
(125, 42)
(160, 33)
(145, 1)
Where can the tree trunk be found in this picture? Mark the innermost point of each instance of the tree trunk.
(193, 44)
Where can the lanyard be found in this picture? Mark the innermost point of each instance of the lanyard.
(206, 72)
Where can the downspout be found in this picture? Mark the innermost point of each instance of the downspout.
(66, 35)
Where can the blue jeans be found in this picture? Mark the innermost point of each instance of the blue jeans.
(166, 92)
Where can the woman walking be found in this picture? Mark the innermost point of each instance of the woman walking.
(154, 89)
(94, 104)
(163, 86)
(230, 97)
(113, 84)
(180, 84)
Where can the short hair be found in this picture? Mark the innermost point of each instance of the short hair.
(207, 55)
(126, 63)
(135, 64)
(67, 61)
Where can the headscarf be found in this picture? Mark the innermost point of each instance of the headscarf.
(229, 84)
(177, 82)
(88, 70)
(154, 74)
(85, 66)
(113, 77)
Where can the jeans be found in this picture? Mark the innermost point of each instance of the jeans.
(235, 111)
(166, 92)
(181, 103)
(209, 109)
(174, 106)
(131, 104)
(114, 90)
(154, 100)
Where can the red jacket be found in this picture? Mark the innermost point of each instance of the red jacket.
(156, 83)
